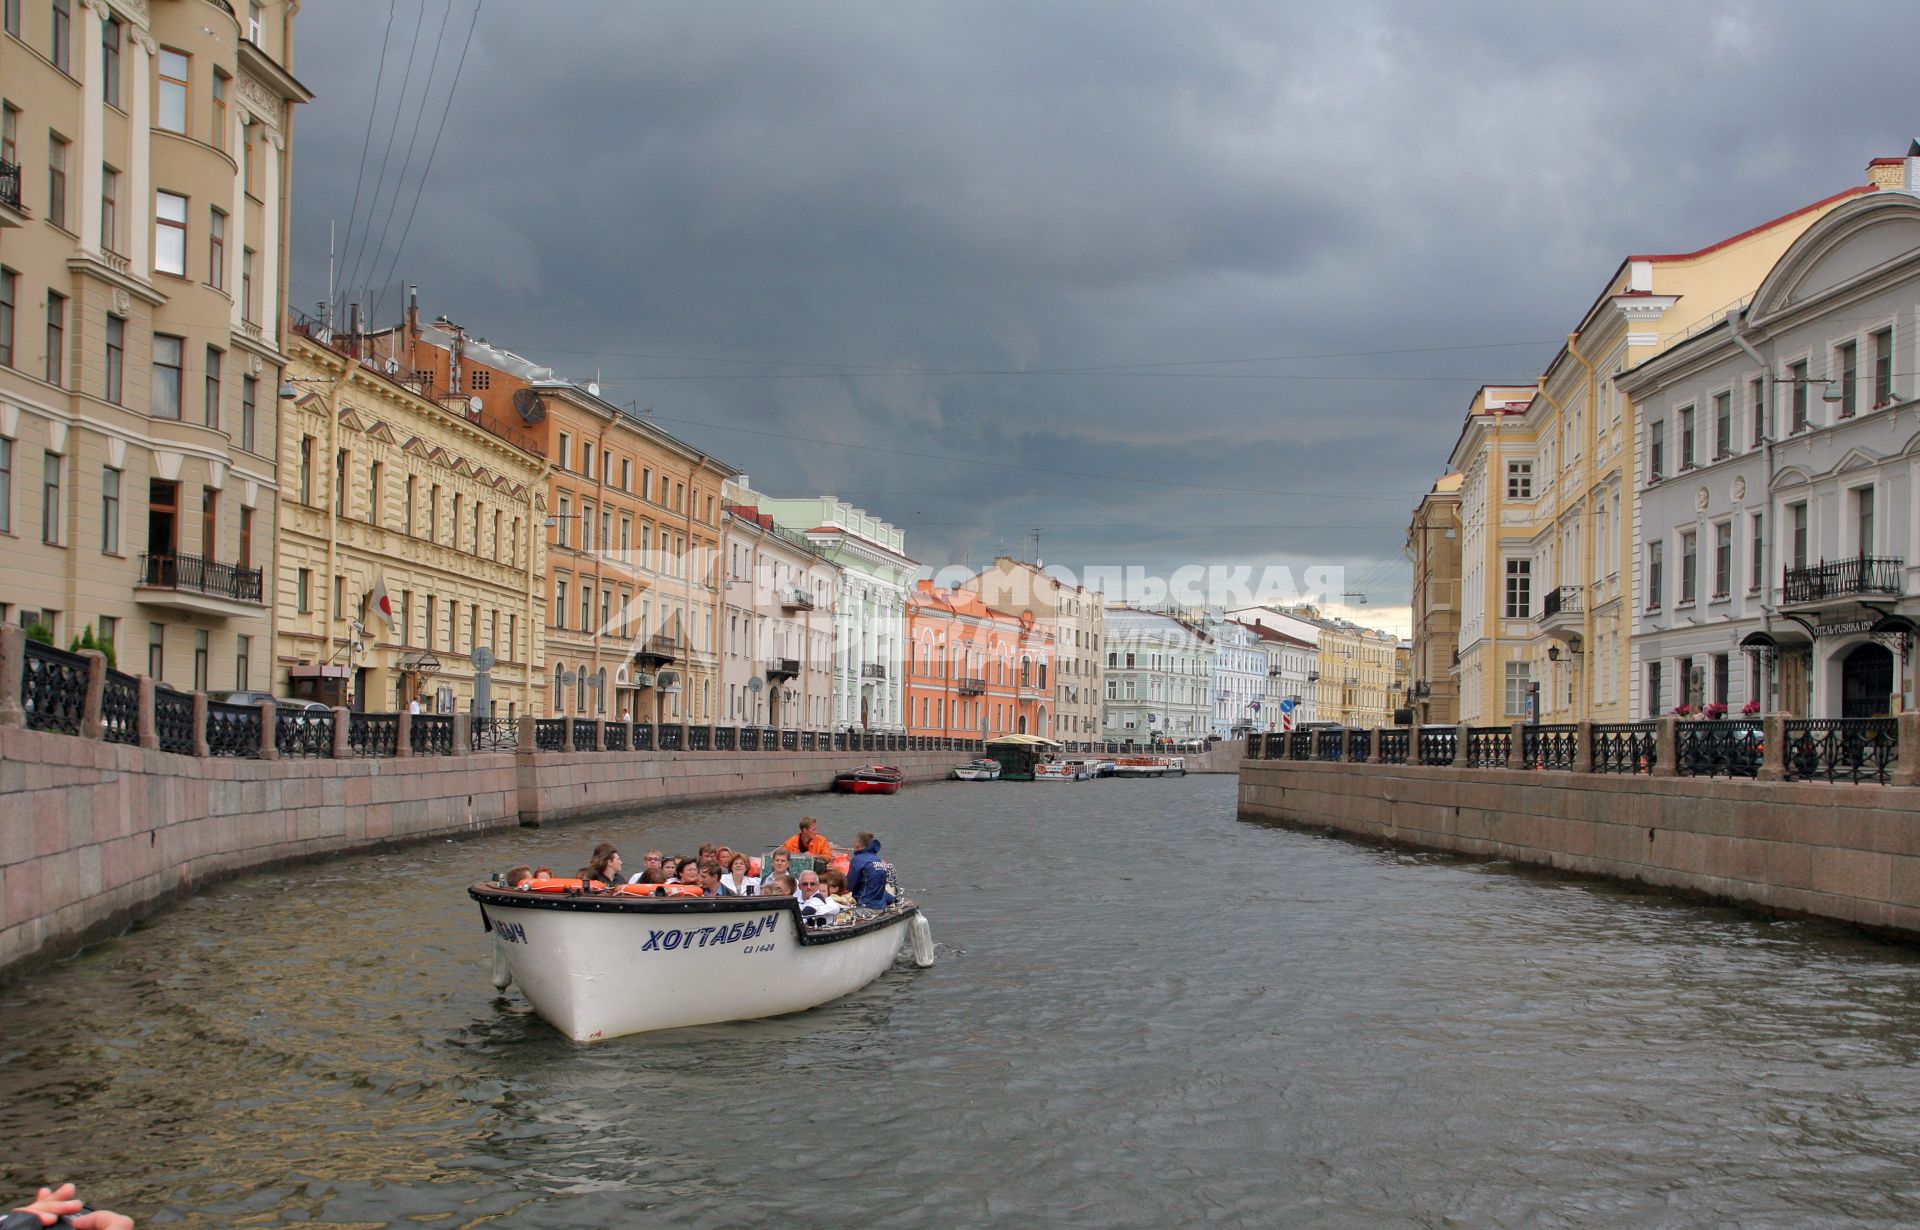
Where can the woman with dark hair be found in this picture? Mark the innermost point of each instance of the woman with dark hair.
(604, 866)
(738, 881)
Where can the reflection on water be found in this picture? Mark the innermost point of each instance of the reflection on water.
(1145, 1014)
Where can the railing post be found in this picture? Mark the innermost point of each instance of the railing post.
(1517, 746)
(1461, 757)
(462, 734)
(1666, 747)
(1773, 736)
(1377, 751)
(566, 733)
(13, 674)
(1906, 770)
(91, 726)
(528, 740)
(269, 730)
(144, 726)
(200, 725)
(403, 737)
(1583, 747)
(342, 733)
(1346, 745)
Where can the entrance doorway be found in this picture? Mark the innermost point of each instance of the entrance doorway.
(1866, 681)
(163, 530)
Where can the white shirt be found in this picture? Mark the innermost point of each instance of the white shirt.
(413, 706)
(819, 905)
(748, 887)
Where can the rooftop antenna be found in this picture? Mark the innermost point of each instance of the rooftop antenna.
(1035, 536)
(1356, 595)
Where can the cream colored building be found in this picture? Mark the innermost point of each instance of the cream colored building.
(143, 200)
(776, 639)
(1496, 457)
(1433, 548)
(1078, 617)
(1357, 674)
(385, 487)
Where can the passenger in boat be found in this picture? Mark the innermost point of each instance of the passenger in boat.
(519, 877)
(808, 840)
(834, 882)
(867, 874)
(782, 866)
(782, 885)
(604, 866)
(739, 881)
(710, 881)
(686, 872)
(543, 873)
(650, 859)
(652, 875)
(62, 1205)
(815, 906)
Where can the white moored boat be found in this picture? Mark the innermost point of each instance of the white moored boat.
(1150, 766)
(599, 965)
(977, 771)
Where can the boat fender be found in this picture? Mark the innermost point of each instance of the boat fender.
(502, 977)
(919, 933)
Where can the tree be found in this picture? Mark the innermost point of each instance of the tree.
(40, 630)
(87, 640)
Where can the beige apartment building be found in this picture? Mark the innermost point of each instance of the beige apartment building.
(779, 595)
(1433, 547)
(143, 200)
(1078, 618)
(387, 490)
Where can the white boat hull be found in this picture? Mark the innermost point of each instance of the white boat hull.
(601, 967)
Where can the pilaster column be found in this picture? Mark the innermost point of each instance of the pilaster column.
(269, 727)
(1583, 747)
(342, 733)
(1461, 733)
(403, 736)
(1773, 736)
(1517, 746)
(88, 29)
(139, 209)
(1906, 770)
(268, 285)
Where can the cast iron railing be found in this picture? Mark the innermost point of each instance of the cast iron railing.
(9, 184)
(586, 734)
(1360, 746)
(120, 708)
(1393, 746)
(233, 730)
(726, 738)
(1326, 744)
(1841, 749)
(643, 737)
(1489, 746)
(1437, 746)
(550, 734)
(1718, 748)
(203, 576)
(1566, 600)
(495, 734)
(1549, 747)
(613, 736)
(53, 689)
(308, 733)
(173, 720)
(1624, 747)
(374, 734)
(431, 734)
(1863, 574)
(749, 738)
(789, 740)
(698, 739)
(669, 736)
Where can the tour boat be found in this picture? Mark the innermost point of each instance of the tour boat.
(602, 965)
(1062, 771)
(1150, 766)
(872, 779)
(977, 771)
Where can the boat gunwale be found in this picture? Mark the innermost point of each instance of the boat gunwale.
(614, 904)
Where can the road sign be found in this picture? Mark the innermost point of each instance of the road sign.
(1286, 707)
(483, 659)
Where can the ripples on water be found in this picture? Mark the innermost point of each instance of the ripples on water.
(1146, 1013)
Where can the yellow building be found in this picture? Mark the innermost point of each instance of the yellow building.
(1548, 564)
(1433, 547)
(384, 487)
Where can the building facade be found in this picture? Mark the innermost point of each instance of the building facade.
(1159, 678)
(974, 671)
(389, 491)
(143, 203)
(1777, 466)
(780, 592)
(870, 618)
(1239, 679)
(1293, 671)
(1495, 456)
(1433, 548)
(1078, 618)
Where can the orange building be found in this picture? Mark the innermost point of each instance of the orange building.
(973, 671)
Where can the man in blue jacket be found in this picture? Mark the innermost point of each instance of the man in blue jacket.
(867, 874)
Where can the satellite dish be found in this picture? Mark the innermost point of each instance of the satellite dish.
(755, 684)
(532, 409)
(593, 388)
(475, 404)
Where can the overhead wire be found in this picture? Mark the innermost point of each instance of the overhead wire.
(366, 143)
(413, 136)
(393, 130)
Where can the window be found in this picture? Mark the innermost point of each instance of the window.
(217, 249)
(167, 384)
(109, 209)
(560, 602)
(245, 558)
(1797, 544)
(218, 136)
(564, 452)
(6, 485)
(10, 16)
(626, 474)
(1848, 355)
(200, 660)
(432, 634)
(1653, 689)
(214, 357)
(1519, 589)
(586, 458)
(157, 650)
(1656, 451)
(59, 45)
(110, 33)
(170, 233)
(10, 133)
(1757, 566)
(1656, 574)
(1519, 683)
(433, 513)
(56, 337)
(57, 181)
(255, 26)
(1722, 677)
(210, 522)
(1757, 394)
(7, 278)
(1863, 520)
(50, 499)
(1687, 457)
(412, 498)
(1519, 480)
(242, 661)
(173, 69)
(249, 392)
(373, 493)
(1722, 425)
(110, 511)
(341, 459)
(116, 359)
(1883, 368)
(306, 469)
(1723, 559)
(303, 591)
(1688, 564)
(248, 259)
(1797, 374)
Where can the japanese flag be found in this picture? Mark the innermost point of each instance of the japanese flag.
(379, 604)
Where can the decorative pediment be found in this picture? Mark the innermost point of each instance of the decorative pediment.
(1857, 458)
(1791, 476)
(380, 431)
(414, 445)
(351, 420)
(1865, 235)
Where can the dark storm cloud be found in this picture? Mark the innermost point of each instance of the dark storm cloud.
(980, 188)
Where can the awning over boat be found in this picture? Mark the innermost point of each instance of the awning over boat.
(1023, 741)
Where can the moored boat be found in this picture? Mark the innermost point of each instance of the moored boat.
(870, 779)
(1150, 766)
(600, 965)
(977, 771)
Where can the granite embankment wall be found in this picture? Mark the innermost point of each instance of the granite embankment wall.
(1841, 850)
(94, 834)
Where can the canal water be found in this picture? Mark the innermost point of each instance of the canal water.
(1145, 1013)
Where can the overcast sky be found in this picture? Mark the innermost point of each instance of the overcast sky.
(1291, 238)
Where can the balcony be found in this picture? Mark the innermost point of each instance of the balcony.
(200, 586)
(782, 668)
(796, 600)
(1562, 612)
(10, 212)
(973, 687)
(873, 670)
(658, 648)
(1836, 580)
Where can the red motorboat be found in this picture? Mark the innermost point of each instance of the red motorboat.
(872, 779)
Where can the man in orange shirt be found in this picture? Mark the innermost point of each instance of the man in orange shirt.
(808, 840)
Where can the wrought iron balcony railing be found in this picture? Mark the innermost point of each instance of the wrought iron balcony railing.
(873, 670)
(783, 668)
(1863, 574)
(1566, 600)
(204, 576)
(9, 184)
(796, 600)
(973, 687)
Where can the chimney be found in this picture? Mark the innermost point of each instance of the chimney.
(413, 309)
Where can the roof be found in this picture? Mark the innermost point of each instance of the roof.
(1271, 634)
